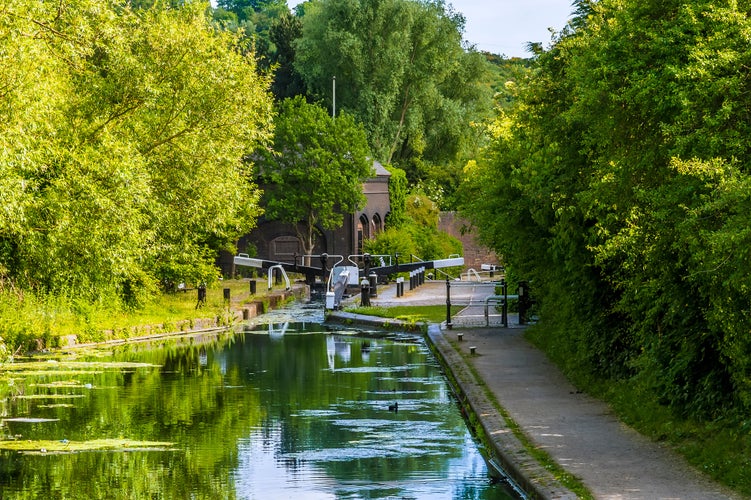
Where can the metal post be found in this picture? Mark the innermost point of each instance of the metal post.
(504, 314)
(252, 286)
(226, 295)
(324, 268)
(448, 304)
(373, 282)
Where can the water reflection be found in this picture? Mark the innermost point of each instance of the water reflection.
(289, 409)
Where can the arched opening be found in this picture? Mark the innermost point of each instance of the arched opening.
(377, 225)
(363, 232)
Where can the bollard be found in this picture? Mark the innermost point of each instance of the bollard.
(226, 294)
(365, 293)
(201, 296)
(252, 286)
(373, 282)
(459, 337)
(246, 314)
(400, 287)
(473, 350)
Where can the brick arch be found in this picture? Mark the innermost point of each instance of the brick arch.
(377, 224)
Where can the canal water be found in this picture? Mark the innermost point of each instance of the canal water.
(289, 409)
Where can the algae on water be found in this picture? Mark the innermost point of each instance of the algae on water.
(39, 447)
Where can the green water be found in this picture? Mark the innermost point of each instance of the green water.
(290, 411)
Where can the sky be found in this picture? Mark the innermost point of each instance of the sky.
(505, 26)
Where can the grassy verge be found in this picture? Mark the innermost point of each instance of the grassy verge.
(29, 321)
(411, 314)
(720, 448)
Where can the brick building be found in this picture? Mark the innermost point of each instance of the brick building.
(273, 240)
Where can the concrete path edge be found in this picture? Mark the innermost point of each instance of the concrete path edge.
(532, 477)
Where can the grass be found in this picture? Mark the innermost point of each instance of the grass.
(410, 314)
(29, 322)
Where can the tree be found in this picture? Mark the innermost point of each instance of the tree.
(316, 171)
(402, 71)
(618, 181)
(124, 163)
(283, 33)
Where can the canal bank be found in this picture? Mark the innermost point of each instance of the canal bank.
(237, 309)
(499, 374)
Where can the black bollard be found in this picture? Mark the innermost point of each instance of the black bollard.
(201, 296)
(365, 293)
(373, 282)
(226, 294)
(252, 286)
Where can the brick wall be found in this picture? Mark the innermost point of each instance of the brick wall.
(474, 253)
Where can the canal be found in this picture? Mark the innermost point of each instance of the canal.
(289, 409)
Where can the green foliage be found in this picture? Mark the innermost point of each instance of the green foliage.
(402, 71)
(418, 235)
(121, 154)
(618, 183)
(398, 188)
(316, 170)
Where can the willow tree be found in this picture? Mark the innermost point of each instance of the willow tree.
(402, 70)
